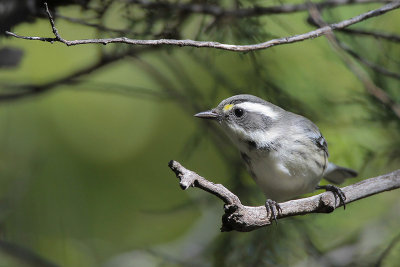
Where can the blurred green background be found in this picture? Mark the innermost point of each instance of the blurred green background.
(84, 177)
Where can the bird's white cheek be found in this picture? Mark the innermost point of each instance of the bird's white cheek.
(238, 135)
(234, 131)
(263, 138)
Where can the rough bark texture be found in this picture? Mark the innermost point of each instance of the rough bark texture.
(246, 218)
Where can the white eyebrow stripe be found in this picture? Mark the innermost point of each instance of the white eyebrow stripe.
(259, 108)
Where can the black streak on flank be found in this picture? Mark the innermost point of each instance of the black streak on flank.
(267, 147)
(245, 158)
(318, 164)
(252, 145)
(273, 146)
(321, 143)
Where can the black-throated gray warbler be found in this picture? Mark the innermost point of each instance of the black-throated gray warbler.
(285, 153)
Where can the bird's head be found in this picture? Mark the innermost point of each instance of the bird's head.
(246, 119)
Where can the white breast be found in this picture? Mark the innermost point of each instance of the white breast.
(283, 177)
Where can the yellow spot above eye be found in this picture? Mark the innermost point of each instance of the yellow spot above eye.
(228, 107)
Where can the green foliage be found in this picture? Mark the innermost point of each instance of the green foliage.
(84, 176)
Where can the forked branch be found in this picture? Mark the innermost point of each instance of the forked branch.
(238, 48)
(246, 218)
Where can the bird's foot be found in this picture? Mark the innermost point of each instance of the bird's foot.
(273, 209)
(337, 192)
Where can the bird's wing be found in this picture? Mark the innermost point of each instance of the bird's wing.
(321, 143)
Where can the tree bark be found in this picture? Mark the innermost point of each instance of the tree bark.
(246, 218)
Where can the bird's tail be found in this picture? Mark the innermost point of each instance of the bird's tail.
(337, 174)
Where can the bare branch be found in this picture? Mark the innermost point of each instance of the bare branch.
(189, 178)
(369, 33)
(238, 48)
(378, 93)
(218, 11)
(388, 250)
(378, 35)
(246, 218)
(28, 90)
(53, 26)
(370, 64)
(34, 90)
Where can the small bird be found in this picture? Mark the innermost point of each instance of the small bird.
(285, 153)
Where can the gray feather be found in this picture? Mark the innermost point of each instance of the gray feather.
(337, 174)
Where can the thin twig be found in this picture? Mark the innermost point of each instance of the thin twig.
(239, 48)
(246, 218)
(28, 90)
(378, 35)
(53, 26)
(388, 250)
(378, 93)
(370, 64)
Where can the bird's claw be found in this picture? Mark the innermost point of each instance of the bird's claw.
(271, 213)
(337, 193)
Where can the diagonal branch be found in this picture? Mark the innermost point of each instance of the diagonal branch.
(246, 218)
(378, 93)
(378, 35)
(29, 90)
(238, 48)
(34, 90)
(369, 64)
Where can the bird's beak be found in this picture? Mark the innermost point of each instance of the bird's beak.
(209, 114)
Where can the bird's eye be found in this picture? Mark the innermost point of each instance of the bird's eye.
(238, 112)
